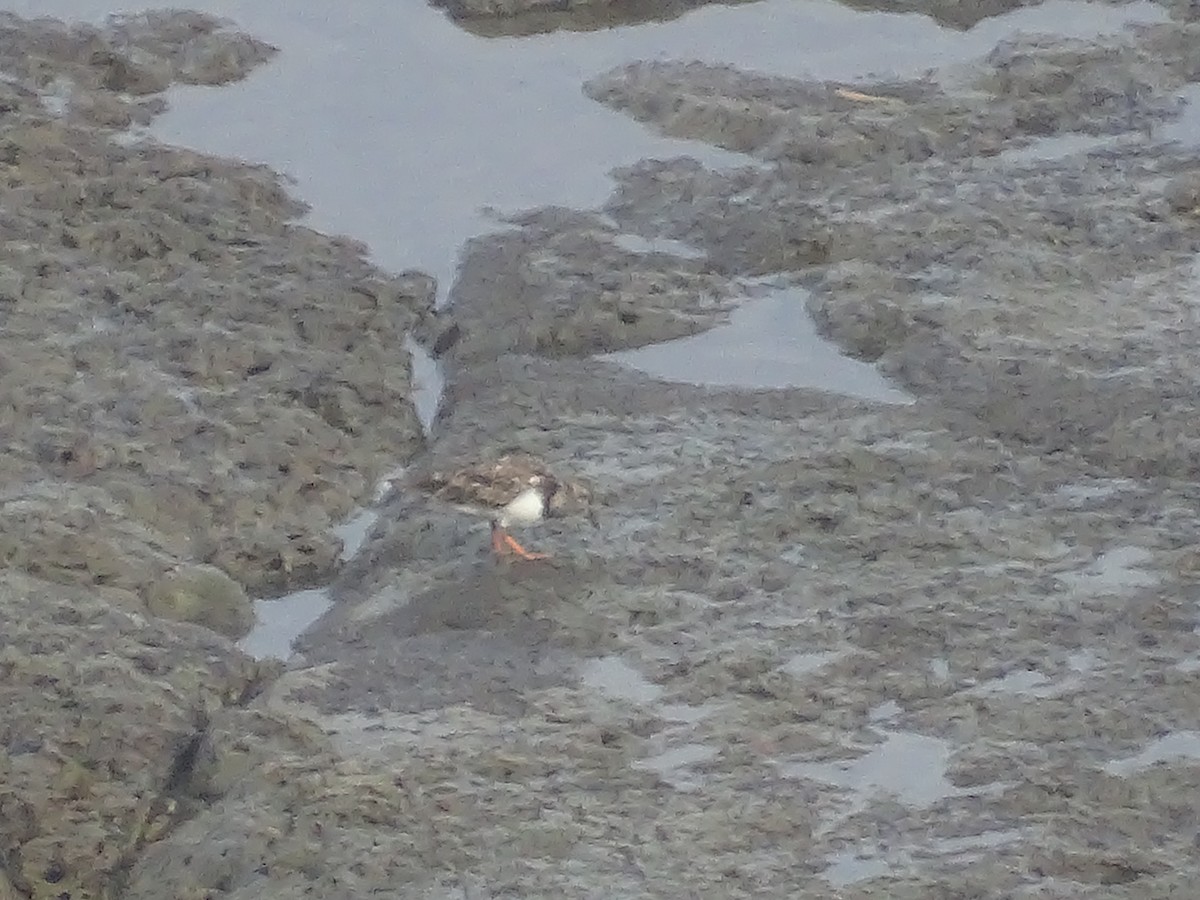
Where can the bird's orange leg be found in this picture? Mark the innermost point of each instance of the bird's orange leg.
(503, 542)
(521, 551)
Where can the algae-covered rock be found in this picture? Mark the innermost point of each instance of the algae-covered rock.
(203, 595)
(72, 533)
(186, 375)
(129, 57)
(103, 711)
(493, 18)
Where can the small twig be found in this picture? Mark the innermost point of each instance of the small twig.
(860, 97)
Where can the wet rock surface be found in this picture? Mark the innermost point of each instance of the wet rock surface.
(570, 289)
(494, 18)
(109, 75)
(808, 646)
(922, 650)
(190, 396)
(178, 356)
(103, 710)
(1026, 300)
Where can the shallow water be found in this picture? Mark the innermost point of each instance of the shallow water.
(615, 679)
(1116, 571)
(400, 128)
(860, 863)
(1177, 746)
(428, 384)
(805, 663)
(673, 766)
(1185, 129)
(635, 243)
(1061, 146)
(1019, 681)
(849, 866)
(909, 767)
(280, 622)
(769, 342)
(354, 531)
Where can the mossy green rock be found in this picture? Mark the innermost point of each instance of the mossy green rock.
(100, 708)
(206, 596)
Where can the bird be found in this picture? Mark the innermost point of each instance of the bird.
(513, 489)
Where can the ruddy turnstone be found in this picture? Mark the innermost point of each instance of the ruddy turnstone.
(511, 490)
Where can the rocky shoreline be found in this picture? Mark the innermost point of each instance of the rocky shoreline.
(811, 646)
(190, 397)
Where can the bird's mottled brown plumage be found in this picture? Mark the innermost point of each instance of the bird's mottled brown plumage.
(492, 484)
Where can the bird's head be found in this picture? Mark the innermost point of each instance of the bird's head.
(549, 487)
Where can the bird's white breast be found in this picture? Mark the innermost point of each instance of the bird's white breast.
(526, 507)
